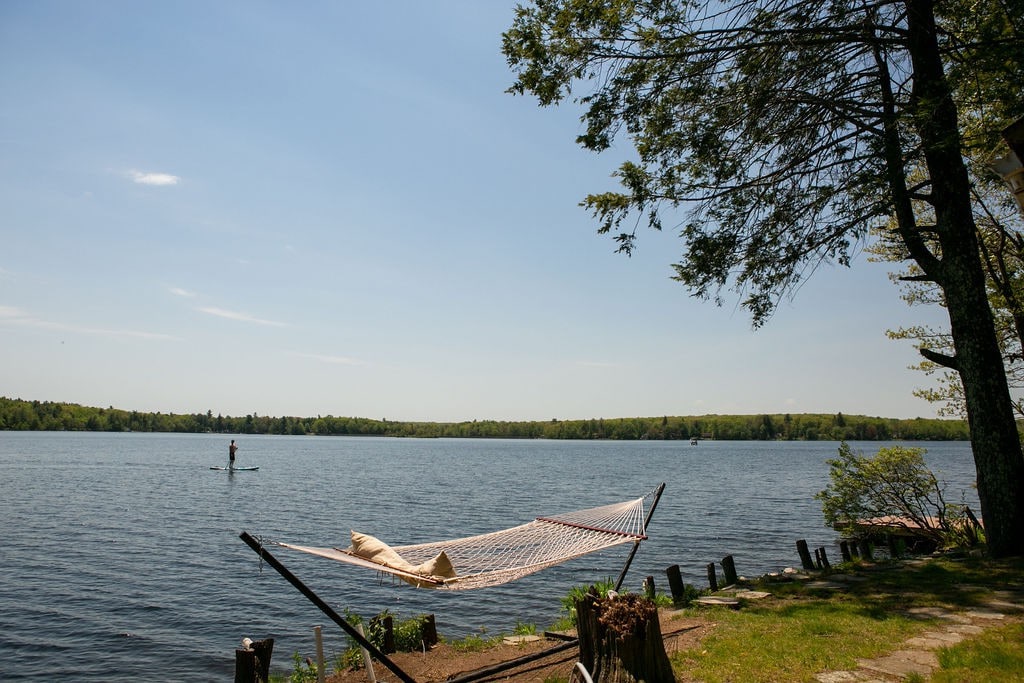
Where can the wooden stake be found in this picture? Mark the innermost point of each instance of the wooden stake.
(675, 584)
(367, 659)
(805, 555)
(729, 569)
(318, 636)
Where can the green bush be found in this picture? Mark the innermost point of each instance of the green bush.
(894, 483)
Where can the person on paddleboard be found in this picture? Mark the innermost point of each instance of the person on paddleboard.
(231, 453)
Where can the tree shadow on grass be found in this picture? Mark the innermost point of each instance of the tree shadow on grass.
(884, 590)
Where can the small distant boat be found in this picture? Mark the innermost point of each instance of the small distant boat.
(237, 469)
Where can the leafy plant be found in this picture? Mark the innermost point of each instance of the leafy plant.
(576, 593)
(474, 642)
(408, 636)
(522, 629)
(895, 484)
(304, 671)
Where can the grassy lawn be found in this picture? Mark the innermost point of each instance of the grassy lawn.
(802, 631)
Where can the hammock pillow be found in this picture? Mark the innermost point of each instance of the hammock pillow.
(373, 549)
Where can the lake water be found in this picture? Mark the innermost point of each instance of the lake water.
(120, 557)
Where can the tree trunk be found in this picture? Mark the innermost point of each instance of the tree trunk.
(620, 639)
(960, 274)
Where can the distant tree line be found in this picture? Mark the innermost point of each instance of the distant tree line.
(20, 415)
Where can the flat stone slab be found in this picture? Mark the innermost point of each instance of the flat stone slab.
(717, 601)
(984, 614)
(929, 613)
(847, 677)
(838, 677)
(826, 585)
(902, 664)
(847, 578)
(519, 640)
(933, 640)
(752, 595)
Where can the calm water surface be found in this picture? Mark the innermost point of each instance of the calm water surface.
(121, 559)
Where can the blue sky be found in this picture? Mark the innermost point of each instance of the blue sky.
(334, 208)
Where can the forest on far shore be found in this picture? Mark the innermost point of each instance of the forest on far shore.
(20, 415)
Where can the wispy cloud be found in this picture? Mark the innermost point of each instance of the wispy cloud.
(158, 179)
(178, 291)
(242, 317)
(9, 315)
(332, 360)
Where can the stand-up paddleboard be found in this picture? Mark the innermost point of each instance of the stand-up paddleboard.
(237, 469)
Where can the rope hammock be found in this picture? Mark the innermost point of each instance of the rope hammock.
(501, 556)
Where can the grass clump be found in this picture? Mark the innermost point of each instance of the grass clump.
(475, 642)
(790, 643)
(802, 630)
(995, 655)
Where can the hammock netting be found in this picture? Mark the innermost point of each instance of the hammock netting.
(502, 556)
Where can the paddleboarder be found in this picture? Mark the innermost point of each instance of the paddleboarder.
(231, 453)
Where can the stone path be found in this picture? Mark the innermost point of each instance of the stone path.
(917, 654)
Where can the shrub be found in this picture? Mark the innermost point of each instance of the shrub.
(894, 483)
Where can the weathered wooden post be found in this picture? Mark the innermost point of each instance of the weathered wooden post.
(620, 638)
(252, 662)
(844, 549)
(805, 555)
(367, 659)
(649, 590)
(712, 578)
(729, 569)
(386, 624)
(865, 549)
(429, 631)
(676, 585)
(825, 564)
(318, 637)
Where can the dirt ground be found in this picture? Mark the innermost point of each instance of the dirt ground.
(443, 662)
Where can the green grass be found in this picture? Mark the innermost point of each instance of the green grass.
(995, 655)
(802, 631)
(791, 642)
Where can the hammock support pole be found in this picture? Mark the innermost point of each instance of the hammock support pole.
(636, 543)
(324, 607)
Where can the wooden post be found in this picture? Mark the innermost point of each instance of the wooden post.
(865, 549)
(620, 639)
(318, 636)
(367, 659)
(712, 579)
(729, 569)
(844, 548)
(252, 663)
(389, 635)
(676, 585)
(429, 631)
(649, 589)
(805, 555)
(817, 559)
(825, 564)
